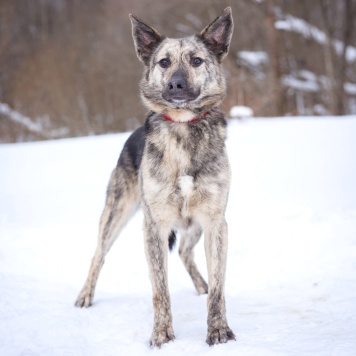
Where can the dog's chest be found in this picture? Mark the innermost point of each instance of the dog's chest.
(179, 152)
(179, 159)
(184, 169)
(171, 166)
(186, 186)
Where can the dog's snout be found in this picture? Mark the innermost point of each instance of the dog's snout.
(177, 84)
(179, 89)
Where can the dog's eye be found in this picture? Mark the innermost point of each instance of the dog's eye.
(164, 63)
(196, 62)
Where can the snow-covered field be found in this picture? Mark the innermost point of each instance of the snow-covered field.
(291, 275)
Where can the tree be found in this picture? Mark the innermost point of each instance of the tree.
(274, 56)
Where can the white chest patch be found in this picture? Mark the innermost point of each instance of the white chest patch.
(181, 115)
(186, 185)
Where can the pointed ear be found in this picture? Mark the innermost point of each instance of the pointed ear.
(217, 35)
(146, 39)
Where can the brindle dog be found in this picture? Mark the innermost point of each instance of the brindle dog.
(177, 169)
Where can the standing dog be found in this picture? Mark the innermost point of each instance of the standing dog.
(177, 168)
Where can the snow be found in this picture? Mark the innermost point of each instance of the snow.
(240, 111)
(291, 273)
(303, 84)
(254, 58)
(308, 81)
(298, 25)
(305, 29)
(19, 118)
(350, 88)
(29, 124)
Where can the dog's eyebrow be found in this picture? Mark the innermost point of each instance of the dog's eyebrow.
(193, 54)
(158, 56)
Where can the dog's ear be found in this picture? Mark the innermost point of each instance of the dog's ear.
(146, 39)
(217, 35)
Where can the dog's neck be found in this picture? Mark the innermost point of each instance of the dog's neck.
(182, 115)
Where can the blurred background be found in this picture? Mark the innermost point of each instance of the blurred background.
(68, 67)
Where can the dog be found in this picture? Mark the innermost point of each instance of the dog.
(176, 168)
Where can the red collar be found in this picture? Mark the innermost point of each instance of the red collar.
(191, 120)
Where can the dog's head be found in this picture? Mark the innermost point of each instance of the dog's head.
(185, 73)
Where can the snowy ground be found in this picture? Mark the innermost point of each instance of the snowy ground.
(291, 275)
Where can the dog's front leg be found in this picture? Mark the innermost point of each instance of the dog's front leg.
(216, 253)
(156, 247)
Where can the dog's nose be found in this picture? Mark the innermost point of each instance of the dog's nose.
(177, 83)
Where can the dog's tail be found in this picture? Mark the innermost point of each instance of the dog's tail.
(172, 239)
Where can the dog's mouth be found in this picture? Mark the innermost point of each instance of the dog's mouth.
(182, 98)
(179, 101)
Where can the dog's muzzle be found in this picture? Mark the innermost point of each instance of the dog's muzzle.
(178, 90)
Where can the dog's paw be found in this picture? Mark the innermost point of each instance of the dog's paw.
(161, 336)
(220, 336)
(84, 300)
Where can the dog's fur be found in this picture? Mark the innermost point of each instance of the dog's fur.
(178, 171)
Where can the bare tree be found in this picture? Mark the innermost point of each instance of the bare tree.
(335, 53)
(348, 26)
(274, 55)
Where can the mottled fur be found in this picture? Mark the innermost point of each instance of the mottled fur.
(178, 170)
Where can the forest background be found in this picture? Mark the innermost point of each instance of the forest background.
(68, 67)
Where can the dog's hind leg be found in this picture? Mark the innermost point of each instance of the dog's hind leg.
(188, 240)
(121, 202)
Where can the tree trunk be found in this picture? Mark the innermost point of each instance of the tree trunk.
(274, 55)
(329, 60)
(349, 8)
